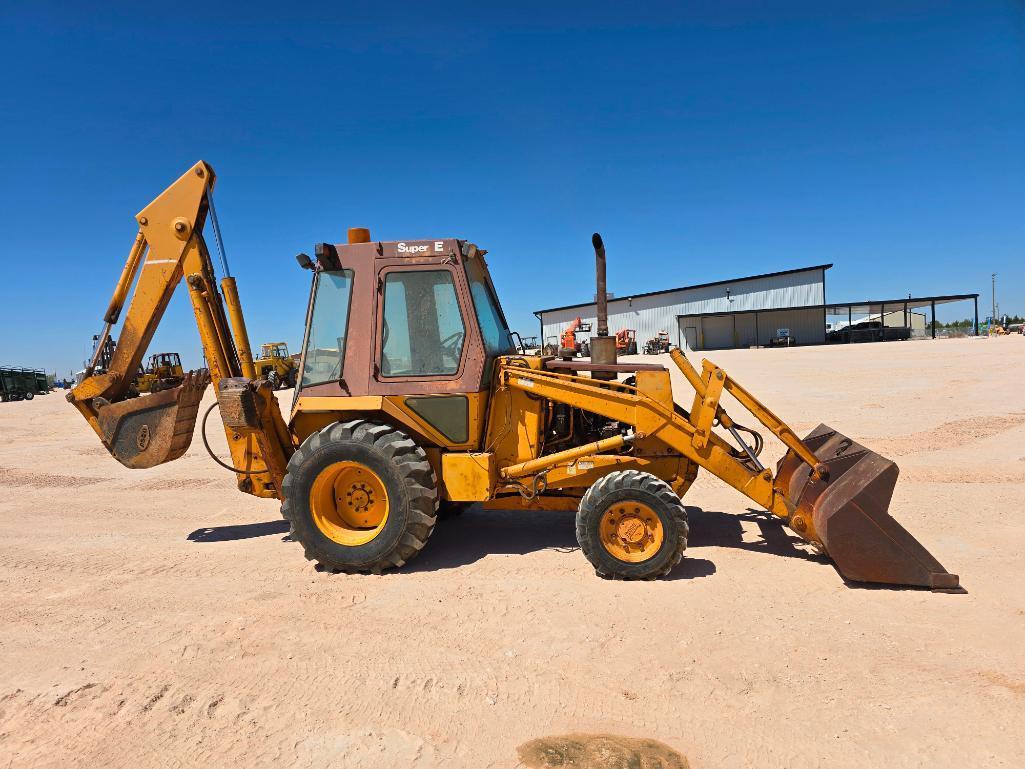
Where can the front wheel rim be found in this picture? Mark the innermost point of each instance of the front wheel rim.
(349, 503)
(631, 531)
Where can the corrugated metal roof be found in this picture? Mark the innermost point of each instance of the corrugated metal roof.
(687, 288)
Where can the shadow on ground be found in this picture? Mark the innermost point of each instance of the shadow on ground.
(239, 531)
(476, 533)
(467, 538)
(709, 528)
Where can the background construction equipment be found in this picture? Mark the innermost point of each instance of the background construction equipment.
(276, 365)
(163, 372)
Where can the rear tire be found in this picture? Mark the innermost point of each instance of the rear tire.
(631, 525)
(29, 395)
(400, 486)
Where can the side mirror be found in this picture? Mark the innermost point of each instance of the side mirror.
(304, 261)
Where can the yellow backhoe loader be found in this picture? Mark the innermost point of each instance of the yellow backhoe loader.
(163, 372)
(411, 397)
(276, 365)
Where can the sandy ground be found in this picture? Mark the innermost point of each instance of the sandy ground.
(159, 618)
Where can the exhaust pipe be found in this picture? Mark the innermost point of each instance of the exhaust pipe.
(603, 346)
(601, 295)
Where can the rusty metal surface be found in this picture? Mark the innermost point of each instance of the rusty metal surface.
(603, 355)
(601, 297)
(848, 512)
(237, 403)
(370, 262)
(153, 429)
(554, 364)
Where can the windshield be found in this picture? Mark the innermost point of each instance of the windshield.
(494, 329)
(325, 342)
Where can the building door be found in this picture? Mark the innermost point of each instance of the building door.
(746, 335)
(717, 332)
(690, 338)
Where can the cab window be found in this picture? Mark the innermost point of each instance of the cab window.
(325, 343)
(493, 326)
(423, 331)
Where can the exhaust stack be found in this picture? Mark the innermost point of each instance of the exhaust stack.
(603, 346)
(601, 295)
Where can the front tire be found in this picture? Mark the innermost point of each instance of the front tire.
(631, 525)
(29, 395)
(360, 497)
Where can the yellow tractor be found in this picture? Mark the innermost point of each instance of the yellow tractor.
(163, 372)
(412, 397)
(276, 365)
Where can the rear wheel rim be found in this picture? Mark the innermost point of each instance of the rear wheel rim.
(631, 531)
(349, 503)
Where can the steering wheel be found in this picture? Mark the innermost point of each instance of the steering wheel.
(451, 343)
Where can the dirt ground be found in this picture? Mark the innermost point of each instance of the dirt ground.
(158, 618)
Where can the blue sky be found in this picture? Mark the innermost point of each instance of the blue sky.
(703, 142)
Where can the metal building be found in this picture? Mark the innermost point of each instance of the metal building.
(741, 312)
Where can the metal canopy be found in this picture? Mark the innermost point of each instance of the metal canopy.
(911, 302)
(905, 305)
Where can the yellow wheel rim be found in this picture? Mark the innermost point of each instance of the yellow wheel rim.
(631, 531)
(349, 503)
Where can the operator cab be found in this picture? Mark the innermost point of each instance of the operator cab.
(169, 360)
(274, 350)
(403, 318)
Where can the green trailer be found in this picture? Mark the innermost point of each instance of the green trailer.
(13, 385)
(18, 384)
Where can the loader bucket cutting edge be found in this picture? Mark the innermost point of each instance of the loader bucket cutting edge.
(152, 429)
(849, 512)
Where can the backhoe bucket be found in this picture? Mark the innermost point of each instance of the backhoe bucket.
(849, 513)
(153, 429)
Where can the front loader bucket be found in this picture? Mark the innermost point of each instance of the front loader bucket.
(153, 429)
(849, 514)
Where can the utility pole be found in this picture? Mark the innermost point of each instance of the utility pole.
(993, 317)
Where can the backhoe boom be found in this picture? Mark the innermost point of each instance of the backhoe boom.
(158, 428)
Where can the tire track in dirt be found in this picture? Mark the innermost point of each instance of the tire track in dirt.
(12, 477)
(962, 474)
(949, 435)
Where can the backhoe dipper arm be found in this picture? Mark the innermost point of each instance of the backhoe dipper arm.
(153, 429)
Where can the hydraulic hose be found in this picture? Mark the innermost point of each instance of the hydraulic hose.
(210, 451)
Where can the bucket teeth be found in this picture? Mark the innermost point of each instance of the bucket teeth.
(847, 511)
(153, 429)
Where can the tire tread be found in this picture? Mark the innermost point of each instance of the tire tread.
(590, 505)
(419, 482)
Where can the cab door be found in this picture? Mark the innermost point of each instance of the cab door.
(428, 354)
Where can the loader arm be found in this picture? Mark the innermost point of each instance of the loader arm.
(650, 419)
(153, 429)
(828, 489)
